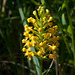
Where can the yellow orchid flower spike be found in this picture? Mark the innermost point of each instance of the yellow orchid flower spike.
(41, 36)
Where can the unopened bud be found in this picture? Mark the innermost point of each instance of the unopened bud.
(34, 13)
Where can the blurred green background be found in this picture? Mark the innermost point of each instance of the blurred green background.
(13, 15)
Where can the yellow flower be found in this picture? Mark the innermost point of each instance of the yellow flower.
(28, 29)
(24, 49)
(51, 56)
(40, 29)
(50, 24)
(47, 35)
(52, 48)
(26, 34)
(54, 39)
(29, 54)
(24, 41)
(32, 20)
(30, 35)
(29, 44)
(26, 26)
(34, 38)
(41, 52)
(35, 28)
(41, 44)
(53, 29)
(29, 19)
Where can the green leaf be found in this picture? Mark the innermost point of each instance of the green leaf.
(36, 3)
(63, 6)
(69, 30)
(63, 19)
(37, 64)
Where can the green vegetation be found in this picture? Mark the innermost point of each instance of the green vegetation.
(13, 17)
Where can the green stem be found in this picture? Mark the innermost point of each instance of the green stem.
(36, 3)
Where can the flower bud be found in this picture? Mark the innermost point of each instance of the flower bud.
(47, 11)
(50, 19)
(34, 13)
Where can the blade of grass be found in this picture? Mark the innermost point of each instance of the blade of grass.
(21, 13)
(11, 18)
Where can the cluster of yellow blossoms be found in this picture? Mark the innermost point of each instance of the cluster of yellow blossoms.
(41, 35)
